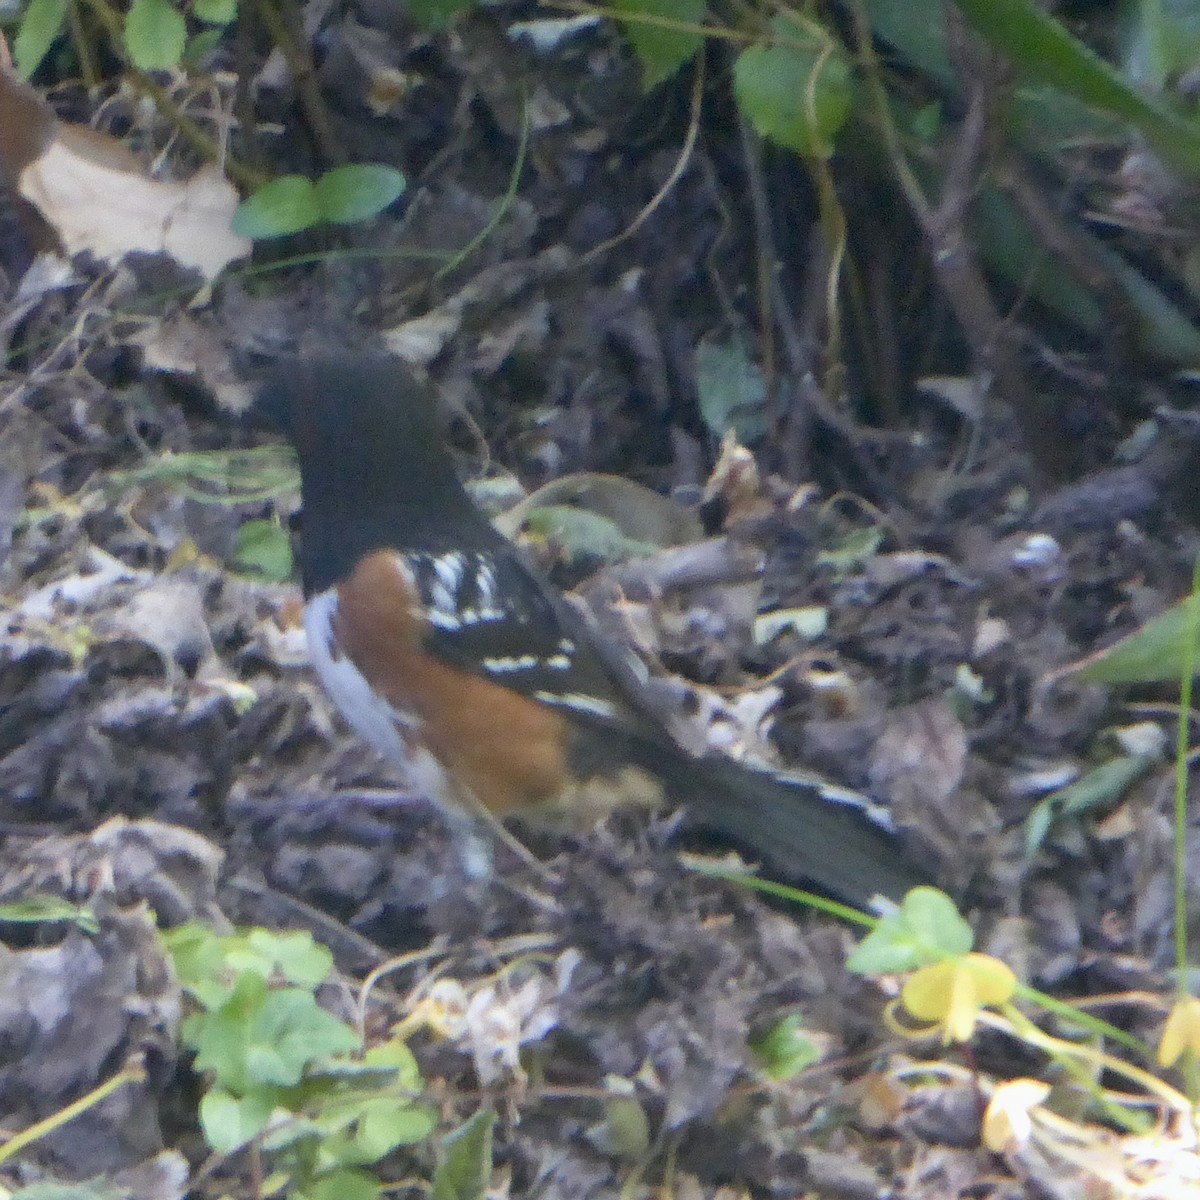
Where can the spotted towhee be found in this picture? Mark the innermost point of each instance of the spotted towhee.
(457, 661)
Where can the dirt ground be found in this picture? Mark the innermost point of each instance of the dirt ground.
(162, 738)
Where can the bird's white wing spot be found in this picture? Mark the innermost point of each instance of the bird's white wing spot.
(458, 590)
(578, 702)
(488, 608)
(445, 581)
(502, 664)
(449, 570)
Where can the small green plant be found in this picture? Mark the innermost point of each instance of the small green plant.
(263, 548)
(155, 36)
(950, 984)
(785, 1049)
(283, 1072)
(952, 990)
(228, 478)
(293, 203)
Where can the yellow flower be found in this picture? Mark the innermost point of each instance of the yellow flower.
(1181, 1032)
(949, 994)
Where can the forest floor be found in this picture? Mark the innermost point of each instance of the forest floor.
(162, 738)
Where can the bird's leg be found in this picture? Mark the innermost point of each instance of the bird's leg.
(475, 826)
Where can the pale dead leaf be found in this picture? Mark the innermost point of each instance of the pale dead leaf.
(111, 211)
(92, 192)
(422, 339)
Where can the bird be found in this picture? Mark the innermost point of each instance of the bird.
(451, 655)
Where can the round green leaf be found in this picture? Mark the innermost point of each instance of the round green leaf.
(731, 389)
(285, 205)
(437, 14)
(344, 1185)
(264, 548)
(297, 956)
(662, 49)
(155, 33)
(201, 48)
(230, 1122)
(796, 95)
(385, 1123)
(927, 928)
(215, 12)
(786, 1048)
(354, 193)
(935, 920)
(625, 1130)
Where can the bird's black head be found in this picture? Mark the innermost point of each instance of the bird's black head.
(374, 467)
(366, 405)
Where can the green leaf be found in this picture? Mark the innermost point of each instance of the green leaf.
(731, 389)
(201, 48)
(662, 49)
(1160, 41)
(851, 552)
(230, 1121)
(266, 1064)
(342, 1185)
(927, 929)
(1149, 655)
(289, 1030)
(918, 33)
(155, 33)
(465, 1160)
(1043, 48)
(1009, 244)
(42, 23)
(638, 513)
(196, 952)
(264, 548)
(437, 14)
(1101, 787)
(380, 1125)
(582, 534)
(215, 12)
(285, 205)
(786, 1049)
(1163, 328)
(796, 95)
(354, 193)
(1037, 827)
(34, 909)
(624, 1131)
(244, 957)
(935, 922)
(396, 1055)
(221, 1037)
(297, 956)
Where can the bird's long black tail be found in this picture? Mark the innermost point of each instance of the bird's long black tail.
(801, 831)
